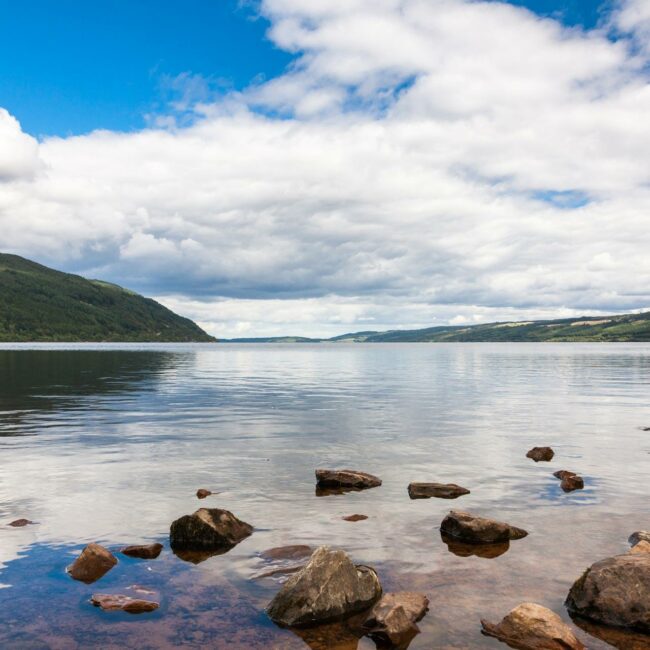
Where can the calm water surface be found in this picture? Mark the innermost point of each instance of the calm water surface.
(110, 443)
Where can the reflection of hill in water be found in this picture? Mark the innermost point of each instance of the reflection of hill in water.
(38, 381)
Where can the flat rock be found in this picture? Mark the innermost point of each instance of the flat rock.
(533, 627)
(393, 619)
(439, 490)
(292, 552)
(19, 523)
(203, 493)
(329, 588)
(638, 536)
(468, 528)
(143, 551)
(571, 483)
(124, 603)
(208, 529)
(540, 453)
(614, 591)
(563, 473)
(93, 562)
(345, 478)
(355, 517)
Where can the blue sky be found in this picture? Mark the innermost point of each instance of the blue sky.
(71, 66)
(318, 167)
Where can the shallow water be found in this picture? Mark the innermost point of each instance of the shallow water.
(110, 443)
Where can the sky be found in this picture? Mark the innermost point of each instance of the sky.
(315, 167)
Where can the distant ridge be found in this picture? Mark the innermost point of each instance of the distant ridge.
(626, 327)
(39, 304)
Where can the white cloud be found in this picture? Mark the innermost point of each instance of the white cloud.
(430, 162)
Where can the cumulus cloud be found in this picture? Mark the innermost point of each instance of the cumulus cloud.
(418, 163)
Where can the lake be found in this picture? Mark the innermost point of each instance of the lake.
(109, 443)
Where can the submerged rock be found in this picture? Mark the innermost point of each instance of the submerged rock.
(471, 529)
(393, 619)
(540, 453)
(570, 483)
(208, 529)
(19, 523)
(614, 591)
(143, 551)
(329, 588)
(638, 536)
(345, 478)
(124, 603)
(533, 627)
(439, 490)
(203, 493)
(293, 552)
(93, 562)
(355, 518)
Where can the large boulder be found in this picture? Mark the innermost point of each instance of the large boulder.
(329, 588)
(471, 529)
(541, 453)
(93, 562)
(143, 551)
(393, 619)
(614, 591)
(208, 529)
(439, 490)
(533, 627)
(123, 603)
(345, 478)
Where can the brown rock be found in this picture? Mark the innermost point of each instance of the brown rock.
(614, 591)
(124, 603)
(144, 551)
(570, 483)
(439, 490)
(345, 478)
(202, 493)
(540, 453)
(393, 619)
(207, 529)
(533, 627)
(641, 547)
(355, 517)
(293, 552)
(464, 527)
(93, 562)
(329, 588)
(563, 473)
(19, 523)
(638, 536)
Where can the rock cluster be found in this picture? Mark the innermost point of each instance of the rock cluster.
(569, 480)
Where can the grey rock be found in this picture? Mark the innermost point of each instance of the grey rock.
(614, 591)
(329, 588)
(471, 529)
(208, 528)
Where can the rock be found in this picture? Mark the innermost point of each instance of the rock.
(19, 523)
(278, 571)
(464, 527)
(486, 551)
(614, 591)
(124, 603)
(355, 517)
(207, 529)
(393, 619)
(533, 627)
(638, 536)
(345, 478)
(93, 562)
(144, 551)
(563, 473)
(439, 490)
(570, 483)
(329, 588)
(202, 493)
(641, 547)
(540, 453)
(294, 552)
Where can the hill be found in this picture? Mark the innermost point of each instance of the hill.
(40, 304)
(626, 327)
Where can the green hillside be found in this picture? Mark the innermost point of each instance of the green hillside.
(41, 304)
(626, 327)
